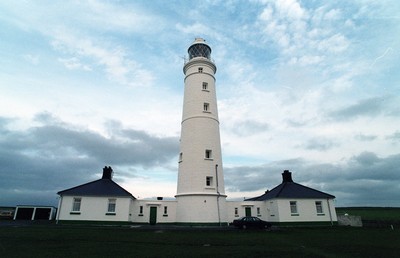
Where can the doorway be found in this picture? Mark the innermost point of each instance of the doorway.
(247, 211)
(153, 215)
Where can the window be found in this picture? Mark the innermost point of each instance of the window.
(206, 107)
(209, 181)
(165, 210)
(258, 211)
(140, 210)
(76, 206)
(180, 157)
(293, 208)
(318, 207)
(111, 205)
(205, 86)
(208, 154)
(236, 212)
(200, 69)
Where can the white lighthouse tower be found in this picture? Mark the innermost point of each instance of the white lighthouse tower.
(201, 192)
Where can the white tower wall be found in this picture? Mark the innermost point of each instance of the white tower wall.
(201, 191)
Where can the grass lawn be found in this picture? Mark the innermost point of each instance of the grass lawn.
(372, 213)
(80, 241)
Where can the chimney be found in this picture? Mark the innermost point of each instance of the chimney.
(286, 176)
(107, 173)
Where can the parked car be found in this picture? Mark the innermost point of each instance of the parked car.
(250, 222)
(6, 214)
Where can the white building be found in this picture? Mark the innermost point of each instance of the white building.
(201, 191)
(200, 197)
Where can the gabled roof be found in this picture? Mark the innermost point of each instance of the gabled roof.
(102, 187)
(290, 189)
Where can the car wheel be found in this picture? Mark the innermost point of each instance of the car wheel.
(244, 226)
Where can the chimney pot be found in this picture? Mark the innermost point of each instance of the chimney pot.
(286, 176)
(107, 173)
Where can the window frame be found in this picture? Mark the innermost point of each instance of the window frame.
(206, 107)
(208, 154)
(112, 205)
(319, 208)
(76, 204)
(200, 70)
(294, 211)
(209, 181)
(205, 86)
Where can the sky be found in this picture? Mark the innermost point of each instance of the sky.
(307, 86)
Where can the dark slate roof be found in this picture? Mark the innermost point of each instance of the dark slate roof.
(101, 187)
(290, 189)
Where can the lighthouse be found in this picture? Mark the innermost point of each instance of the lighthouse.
(200, 194)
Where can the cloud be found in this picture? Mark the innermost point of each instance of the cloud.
(55, 155)
(74, 63)
(302, 34)
(33, 59)
(367, 107)
(320, 144)
(395, 137)
(249, 127)
(118, 64)
(364, 137)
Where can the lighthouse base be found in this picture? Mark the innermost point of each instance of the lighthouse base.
(201, 209)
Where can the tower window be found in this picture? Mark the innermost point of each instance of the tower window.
(205, 86)
(206, 107)
(180, 157)
(200, 69)
(208, 154)
(209, 181)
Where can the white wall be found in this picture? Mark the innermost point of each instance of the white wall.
(306, 210)
(242, 205)
(144, 217)
(94, 208)
(201, 208)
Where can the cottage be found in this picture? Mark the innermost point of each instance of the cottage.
(100, 200)
(293, 202)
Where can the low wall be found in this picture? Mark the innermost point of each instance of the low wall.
(349, 220)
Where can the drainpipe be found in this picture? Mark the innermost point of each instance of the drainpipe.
(216, 177)
(330, 214)
(59, 210)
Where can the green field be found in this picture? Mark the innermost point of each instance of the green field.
(123, 241)
(371, 213)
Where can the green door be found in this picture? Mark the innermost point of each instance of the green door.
(248, 211)
(153, 215)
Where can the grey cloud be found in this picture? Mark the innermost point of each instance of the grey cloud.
(249, 127)
(366, 107)
(263, 177)
(54, 157)
(365, 138)
(395, 137)
(364, 180)
(321, 144)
